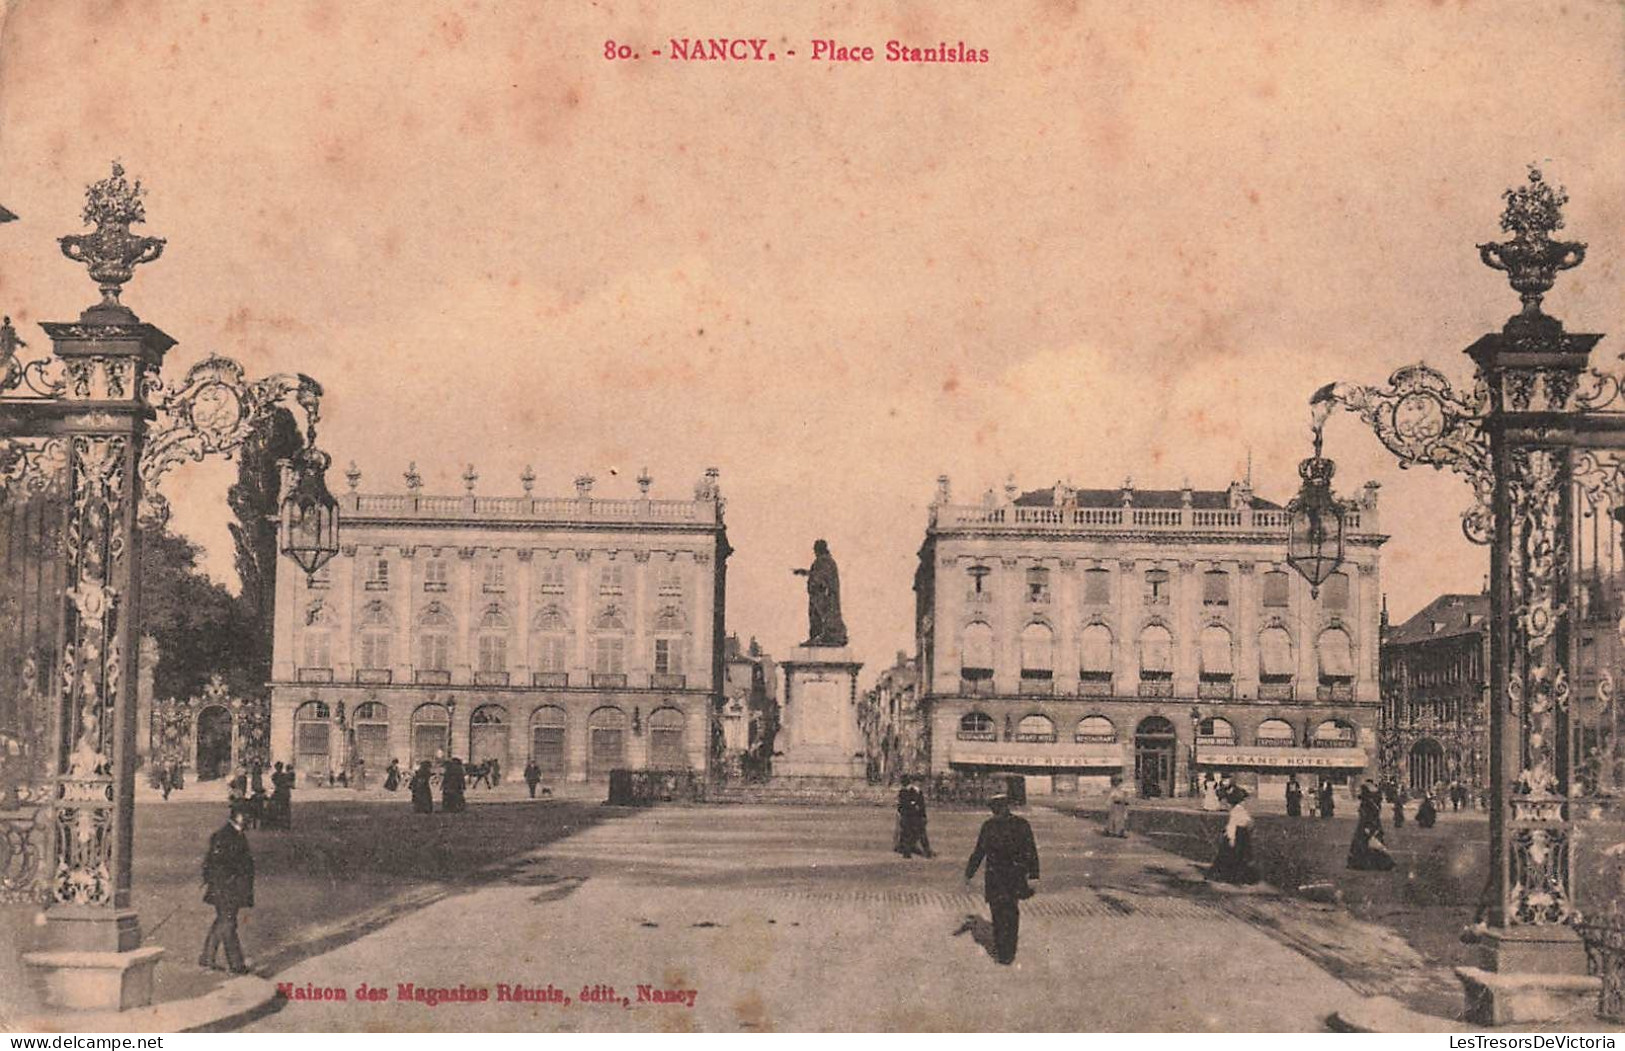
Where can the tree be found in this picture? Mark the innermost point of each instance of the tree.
(199, 626)
(254, 500)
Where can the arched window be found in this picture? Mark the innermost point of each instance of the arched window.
(668, 749)
(1218, 663)
(1215, 588)
(1036, 728)
(377, 629)
(1156, 653)
(318, 637)
(547, 740)
(1275, 733)
(552, 643)
(977, 726)
(1275, 662)
(431, 732)
(494, 627)
(1095, 729)
(977, 660)
(1037, 652)
(488, 735)
(609, 648)
(1215, 730)
(1095, 654)
(436, 629)
(1335, 733)
(1336, 658)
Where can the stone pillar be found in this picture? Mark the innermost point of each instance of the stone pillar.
(95, 958)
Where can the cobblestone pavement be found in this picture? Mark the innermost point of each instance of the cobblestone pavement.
(784, 918)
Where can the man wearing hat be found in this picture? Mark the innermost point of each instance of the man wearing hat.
(228, 878)
(1006, 843)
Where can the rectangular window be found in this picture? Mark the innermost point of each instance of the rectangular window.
(609, 655)
(493, 653)
(550, 577)
(1276, 591)
(374, 650)
(318, 650)
(434, 652)
(494, 579)
(1097, 587)
(609, 580)
(378, 574)
(1156, 587)
(668, 656)
(1037, 585)
(434, 575)
(671, 581)
(554, 653)
(1216, 588)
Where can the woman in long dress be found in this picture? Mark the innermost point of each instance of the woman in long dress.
(392, 775)
(1234, 861)
(1210, 793)
(422, 790)
(1294, 797)
(1117, 810)
(1368, 850)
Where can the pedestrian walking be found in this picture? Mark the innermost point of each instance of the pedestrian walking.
(392, 776)
(911, 834)
(228, 879)
(282, 779)
(1233, 862)
(533, 776)
(453, 782)
(360, 774)
(1117, 809)
(1427, 813)
(423, 789)
(494, 774)
(166, 778)
(1210, 793)
(1368, 850)
(1294, 796)
(1327, 799)
(1400, 799)
(1006, 843)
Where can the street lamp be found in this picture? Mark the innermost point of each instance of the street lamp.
(309, 516)
(1315, 532)
(1196, 728)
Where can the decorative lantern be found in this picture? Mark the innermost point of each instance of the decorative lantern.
(309, 529)
(1315, 533)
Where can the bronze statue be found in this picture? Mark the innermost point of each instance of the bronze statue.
(824, 624)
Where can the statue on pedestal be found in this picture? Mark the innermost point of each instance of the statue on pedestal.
(824, 624)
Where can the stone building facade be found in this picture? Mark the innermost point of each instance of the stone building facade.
(750, 710)
(1071, 634)
(893, 730)
(582, 632)
(1434, 726)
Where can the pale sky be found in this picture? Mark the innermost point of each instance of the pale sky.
(1133, 243)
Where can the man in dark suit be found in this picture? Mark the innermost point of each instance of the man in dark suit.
(1007, 844)
(228, 876)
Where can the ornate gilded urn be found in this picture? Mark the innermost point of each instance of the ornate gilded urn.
(110, 252)
(1532, 259)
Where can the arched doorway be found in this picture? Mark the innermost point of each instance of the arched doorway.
(431, 732)
(371, 723)
(1154, 751)
(547, 727)
(312, 746)
(667, 749)
(213, 742)
(1427, 766)
(606, 742)
(488, 735)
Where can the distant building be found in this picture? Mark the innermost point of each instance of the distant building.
(750, 708)
(1070, 634)
(1435, 666)
(581, 632)
(893, 727)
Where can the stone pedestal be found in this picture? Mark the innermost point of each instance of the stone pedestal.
(1528, 974)
(95, 981)
(818, 720)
